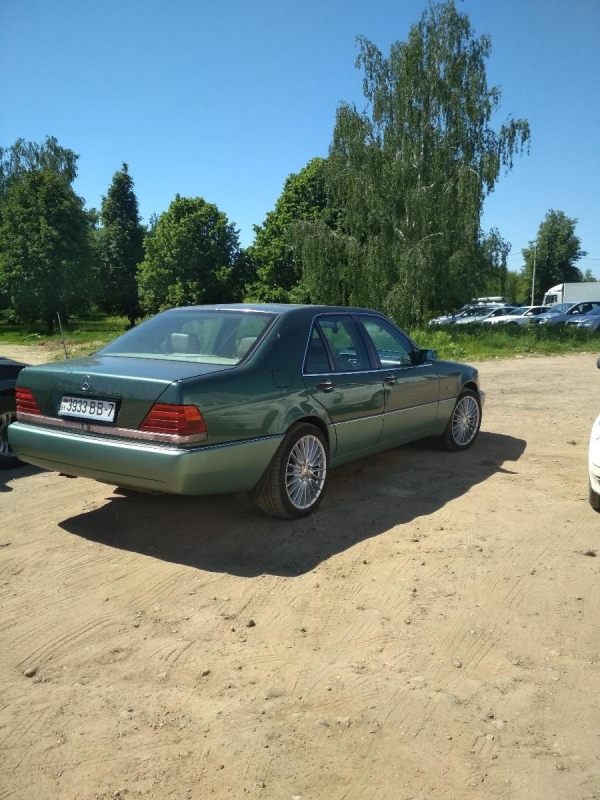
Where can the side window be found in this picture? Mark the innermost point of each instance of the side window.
(344, 343)
(392, 348)
(317, 359)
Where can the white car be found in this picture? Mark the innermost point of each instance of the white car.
(594, 462)
(450, 319)
(518, 316)
(470, 313)
(594, 466)
(483, 314)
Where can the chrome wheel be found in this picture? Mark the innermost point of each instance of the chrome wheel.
(305, 473)
(465, 420)
(296, 480)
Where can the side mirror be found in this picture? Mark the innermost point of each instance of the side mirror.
(432, 355)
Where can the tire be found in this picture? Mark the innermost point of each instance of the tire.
(8, 414)
(594, 499)
(295, 481)
(463, 426)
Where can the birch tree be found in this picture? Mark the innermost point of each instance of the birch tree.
(410, 174)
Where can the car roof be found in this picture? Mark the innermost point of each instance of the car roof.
(280, 308)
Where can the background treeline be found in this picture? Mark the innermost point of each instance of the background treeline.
(391, 219)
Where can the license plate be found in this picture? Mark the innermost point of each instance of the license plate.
(88, 408)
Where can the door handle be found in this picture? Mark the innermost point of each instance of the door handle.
(325, 386)
(390, 379)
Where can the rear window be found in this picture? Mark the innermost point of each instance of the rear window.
(205, 336)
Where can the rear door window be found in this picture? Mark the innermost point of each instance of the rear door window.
(338, 339)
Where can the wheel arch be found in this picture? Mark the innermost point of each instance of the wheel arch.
(317, 422)
(273, 492)
(470, 385)
(311, 419)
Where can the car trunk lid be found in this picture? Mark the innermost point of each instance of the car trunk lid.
(133, 384)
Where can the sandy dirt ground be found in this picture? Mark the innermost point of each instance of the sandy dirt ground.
(431, 632)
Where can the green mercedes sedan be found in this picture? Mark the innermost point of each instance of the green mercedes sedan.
(264, 399)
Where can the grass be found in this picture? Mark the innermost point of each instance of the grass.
(83, 335)
(480, 342)
(454, 342)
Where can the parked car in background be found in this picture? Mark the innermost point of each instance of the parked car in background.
(9, 371)
(594, 462)
(258, 398)
(517, 316)
(589, 321)
(563, 312)
(467, 314)
(483, 314)
(449, 319)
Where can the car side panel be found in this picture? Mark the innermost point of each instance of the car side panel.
(355, 406)
(453, 377)
(411, 404)
(247, 405)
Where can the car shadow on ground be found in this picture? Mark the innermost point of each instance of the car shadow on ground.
(9, 475)
(365, 498)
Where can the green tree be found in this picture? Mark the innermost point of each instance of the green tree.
(556, 251)
(121, 248)
(191, 257)
(278, 266)
(47, 259)
(495, 252)
(410, 174)
(241, 275)
(515, 291)
(24, 157)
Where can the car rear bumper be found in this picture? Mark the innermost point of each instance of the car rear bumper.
(209, 469)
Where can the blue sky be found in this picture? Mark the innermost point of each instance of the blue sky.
(225, 99)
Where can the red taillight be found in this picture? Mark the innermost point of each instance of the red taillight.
(174, 420)
(26, 402)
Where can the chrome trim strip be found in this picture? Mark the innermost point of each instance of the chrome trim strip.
(357, 419)
(108, 432)
(223, 445)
